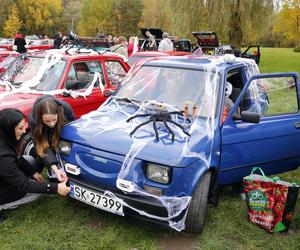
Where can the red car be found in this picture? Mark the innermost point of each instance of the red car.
(139, 56)
(7, 44)
(6, 59)
(84, 80)
(43, 44)
(40, 44)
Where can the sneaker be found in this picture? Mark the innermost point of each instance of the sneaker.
(2, 217)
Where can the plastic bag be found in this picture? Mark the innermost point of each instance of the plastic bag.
(270, 202)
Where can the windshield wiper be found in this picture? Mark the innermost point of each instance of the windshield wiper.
(129, 100)
(17, 83)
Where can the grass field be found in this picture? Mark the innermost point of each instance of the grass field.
(279, 60)
(54, 222)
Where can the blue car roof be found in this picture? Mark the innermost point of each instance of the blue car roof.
(193, 62)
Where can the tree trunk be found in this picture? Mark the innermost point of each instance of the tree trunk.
(235, 25)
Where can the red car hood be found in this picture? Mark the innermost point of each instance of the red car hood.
(21, 101)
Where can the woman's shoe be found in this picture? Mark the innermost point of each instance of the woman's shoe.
(2, 217)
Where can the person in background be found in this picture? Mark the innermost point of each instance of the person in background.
(177, 45)
(165, 44)
(121, 46)
(115, 40)
(20, 42)
(109, 41)
(20, 178)
(57, 40)
(133, 45)
(151, 41)
(46, 120)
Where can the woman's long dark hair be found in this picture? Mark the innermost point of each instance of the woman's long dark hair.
(47, 106)
(9, 119)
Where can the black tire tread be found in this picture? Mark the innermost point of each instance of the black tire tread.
(198, 207)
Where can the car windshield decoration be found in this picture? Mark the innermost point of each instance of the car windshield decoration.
(159, 109)
(40, 74)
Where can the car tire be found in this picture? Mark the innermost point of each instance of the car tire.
(198, 207)
(27, 146)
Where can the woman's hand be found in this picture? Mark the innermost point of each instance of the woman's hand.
(38, 177)
(62, 188)
(60, 174)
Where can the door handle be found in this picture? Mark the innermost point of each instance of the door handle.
(297, 125)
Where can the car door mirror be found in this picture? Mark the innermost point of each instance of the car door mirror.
(108, 93)
(247, 116)
(72, 84)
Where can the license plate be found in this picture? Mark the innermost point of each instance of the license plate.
(104, 202)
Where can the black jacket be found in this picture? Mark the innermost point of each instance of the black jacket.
(57, 42)
(14, 183)
(20, 42)
(50, 158)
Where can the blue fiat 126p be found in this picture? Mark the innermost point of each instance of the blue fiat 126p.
(176, 129)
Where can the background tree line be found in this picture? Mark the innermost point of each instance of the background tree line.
(239, 22)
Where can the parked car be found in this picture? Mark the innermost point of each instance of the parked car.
(40, 44)
(185, 44)
(166, 140)
(139, 56)
(209, 43)
(7, 57)
(6, 43)
(84, 80)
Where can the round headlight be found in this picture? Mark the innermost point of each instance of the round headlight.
(64, 147)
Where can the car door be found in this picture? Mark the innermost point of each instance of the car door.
(252, 52)
(273, 143)
(79, 79)
(115, 72)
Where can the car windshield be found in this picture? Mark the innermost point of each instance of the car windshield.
(8, 60)
(182, 88)
(35, 43)
(37, 72)
(6, 41)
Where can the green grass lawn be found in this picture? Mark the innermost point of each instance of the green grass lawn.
(279, 60)
(54, 222)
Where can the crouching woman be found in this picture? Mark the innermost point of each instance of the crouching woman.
(48, 117)
(19, 177)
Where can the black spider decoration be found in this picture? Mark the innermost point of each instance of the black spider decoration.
(164, 117)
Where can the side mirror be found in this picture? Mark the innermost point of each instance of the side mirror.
(72, 84)
(108, 93)
(247, 116)
(65, 94)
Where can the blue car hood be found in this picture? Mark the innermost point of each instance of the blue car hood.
(98, 132)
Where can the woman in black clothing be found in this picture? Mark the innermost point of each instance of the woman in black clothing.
(20, 42)
(15, 171)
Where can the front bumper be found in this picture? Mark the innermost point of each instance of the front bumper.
(141, 204)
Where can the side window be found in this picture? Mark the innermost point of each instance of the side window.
(82, 74)
(274, 96)
(233, 87)
(115, 72)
